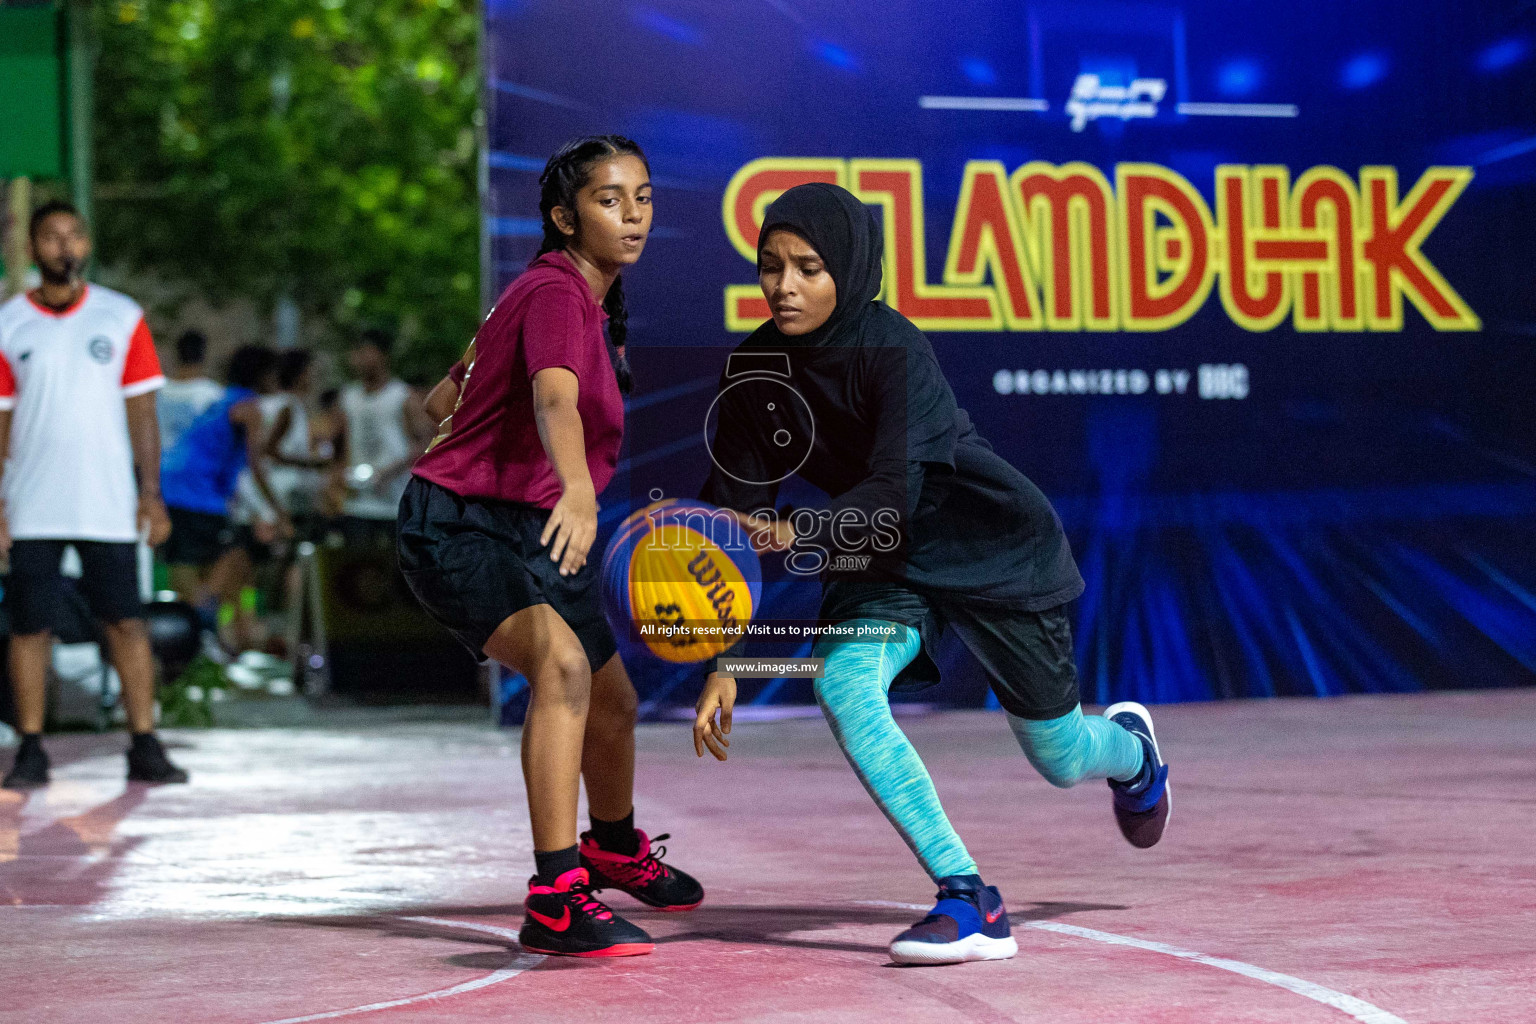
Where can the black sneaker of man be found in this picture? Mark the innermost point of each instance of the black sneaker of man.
(30, 769)
(147, 761)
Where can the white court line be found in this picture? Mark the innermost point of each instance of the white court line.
(1359, 1009)
(522, 963)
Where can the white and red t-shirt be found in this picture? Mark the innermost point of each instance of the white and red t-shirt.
(66, 377)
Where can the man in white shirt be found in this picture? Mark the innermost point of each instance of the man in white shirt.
(188, 392)
(386, 430)
(78, 375)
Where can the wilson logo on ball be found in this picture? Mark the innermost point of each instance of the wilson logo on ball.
(681, 580)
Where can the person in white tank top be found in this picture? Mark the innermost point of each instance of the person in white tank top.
(294, 467)
(386, 429)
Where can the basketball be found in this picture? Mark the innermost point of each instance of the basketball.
(681, 580)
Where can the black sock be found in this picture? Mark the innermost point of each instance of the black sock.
(143, 740)
(617, 836)
(550, 866)
(31, 743)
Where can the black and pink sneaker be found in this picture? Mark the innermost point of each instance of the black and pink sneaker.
(565, 919)
(642, 875)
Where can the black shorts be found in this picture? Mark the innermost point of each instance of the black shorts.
(109, 583)
(197, 538)
(260, 553)
(1027, 655)
(472, 562)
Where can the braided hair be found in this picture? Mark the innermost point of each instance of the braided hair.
(566, 174)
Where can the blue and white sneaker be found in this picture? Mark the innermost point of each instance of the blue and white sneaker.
(968, 923)
(1143, 805)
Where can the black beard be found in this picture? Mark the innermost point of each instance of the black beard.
(61, 273)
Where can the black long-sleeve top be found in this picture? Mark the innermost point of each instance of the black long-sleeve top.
(870, 419)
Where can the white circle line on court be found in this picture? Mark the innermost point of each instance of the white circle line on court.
(1357, 1008)
(521, 963)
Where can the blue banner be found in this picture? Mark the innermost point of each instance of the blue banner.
(1246, 289)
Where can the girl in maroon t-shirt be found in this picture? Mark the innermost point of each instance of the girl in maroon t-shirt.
(499, 518)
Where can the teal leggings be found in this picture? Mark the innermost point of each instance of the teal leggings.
(854, 695)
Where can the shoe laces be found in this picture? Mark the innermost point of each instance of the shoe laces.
(651, 867)
(581, 896)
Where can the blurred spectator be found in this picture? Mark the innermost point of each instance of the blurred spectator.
(78, 374)
(209, 564)
(295, 464)
(296, 459)
(327, 425)
(386, 428)
(188, 392)
(326, 428)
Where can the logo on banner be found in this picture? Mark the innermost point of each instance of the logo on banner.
(1091, 99)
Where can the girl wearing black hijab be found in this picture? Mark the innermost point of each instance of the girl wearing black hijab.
(926, 527)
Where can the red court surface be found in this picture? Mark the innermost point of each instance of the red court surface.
(1366, 859)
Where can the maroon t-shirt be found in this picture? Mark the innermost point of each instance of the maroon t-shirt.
(490, 447)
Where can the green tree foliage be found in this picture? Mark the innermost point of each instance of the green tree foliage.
(323, 149)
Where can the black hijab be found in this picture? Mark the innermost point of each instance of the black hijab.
(845, 233)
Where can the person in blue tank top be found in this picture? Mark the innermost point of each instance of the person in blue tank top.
(198, 477)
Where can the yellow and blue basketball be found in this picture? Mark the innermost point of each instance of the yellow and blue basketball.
(681, 579)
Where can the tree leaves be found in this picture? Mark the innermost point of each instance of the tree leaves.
(317, 148)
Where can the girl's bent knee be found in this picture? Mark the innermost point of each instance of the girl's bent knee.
(1061, 772)
(825, 694)
(564, 677)
(1058, 748)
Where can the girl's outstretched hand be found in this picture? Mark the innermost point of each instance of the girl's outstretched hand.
(719, 695)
